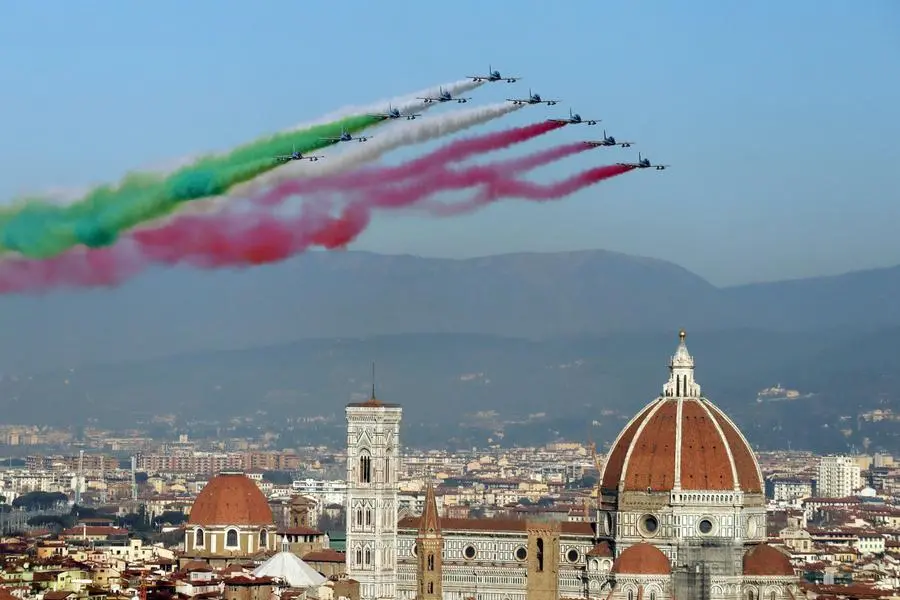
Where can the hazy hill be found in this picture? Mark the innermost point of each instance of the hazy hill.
(358, 294)
(465, 389)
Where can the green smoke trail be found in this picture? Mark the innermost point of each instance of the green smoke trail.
(39, 229)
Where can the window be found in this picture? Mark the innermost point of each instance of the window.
(572, 555)
(521, 553)
(199, 538)
(231, 538)
(772, 596)
(263, 538)
(469, 552)
(387, 465)
(368, 556)
(430, 566)
(652, 595)
(430, 587)
(630, 595)
(358, 556)
(649, 525)
(705, 526)
(540, 554)
(365, 467)
(750, 595)
(368, 517)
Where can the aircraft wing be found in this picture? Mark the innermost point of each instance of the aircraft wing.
(635, 165)
(549, 102)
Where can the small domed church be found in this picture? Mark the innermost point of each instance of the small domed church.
(680, 514)
(230, 520)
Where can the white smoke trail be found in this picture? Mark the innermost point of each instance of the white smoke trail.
(406, 103)
(405, 134)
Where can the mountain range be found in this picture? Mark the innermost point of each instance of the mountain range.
(340, 294)
(518, 348)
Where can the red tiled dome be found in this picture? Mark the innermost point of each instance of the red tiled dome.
(231, 499)
(642, 559)
(681, 439)
(765, 561)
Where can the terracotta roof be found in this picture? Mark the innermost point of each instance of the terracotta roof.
(326, 555)
(712, 453)
(93, 530)
(642, 559)
(430, 522)
(765, 561)
(231, 499)
(495, 525)
(602, 550)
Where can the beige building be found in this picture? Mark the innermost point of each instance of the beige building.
(230, 520)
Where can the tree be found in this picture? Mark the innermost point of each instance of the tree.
(278, 477)
(169, 517)
(39, 500)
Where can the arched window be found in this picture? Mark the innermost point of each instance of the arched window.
(365, 467)
(387, 464)
(368, 517)
(430, 561)
(630, 595)
(772, 596)
(263, 538)
(199, 538)
(358, 556)
(540, 554)
(652, 595)
(368, 556)
(750, 595)
(359, 517)
(231, 538)
(430, 587)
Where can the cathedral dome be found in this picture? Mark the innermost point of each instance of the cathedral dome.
(681, 441)
(231, 499)
(765, 561)
(642, 559)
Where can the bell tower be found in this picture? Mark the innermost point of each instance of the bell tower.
(429, 548)
(373, 429)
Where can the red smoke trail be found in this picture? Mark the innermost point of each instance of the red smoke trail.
(514, 188)
(453, 152)
(242, 240)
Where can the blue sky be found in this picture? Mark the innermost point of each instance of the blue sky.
(779, 118)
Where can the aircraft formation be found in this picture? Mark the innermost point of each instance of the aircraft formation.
(492, 75)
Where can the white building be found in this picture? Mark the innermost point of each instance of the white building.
(790, 490)
(323, 491)
(682, 515)
(373, 437)
(838, 477)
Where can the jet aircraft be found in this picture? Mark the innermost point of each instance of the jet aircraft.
(394, 113)
(443, 96)
(532, 99)
(346, 137)
(643, 163)
(609, 140)
(575, 119)
(493, 75)
(294, 155)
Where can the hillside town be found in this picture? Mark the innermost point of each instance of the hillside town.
(82, 526)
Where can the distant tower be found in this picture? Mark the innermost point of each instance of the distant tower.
(134, 493)
(103, 496)
(429, 549)
(79, 479)
(373, 437)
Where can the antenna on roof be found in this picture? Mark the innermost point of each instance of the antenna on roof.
(373, 380)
